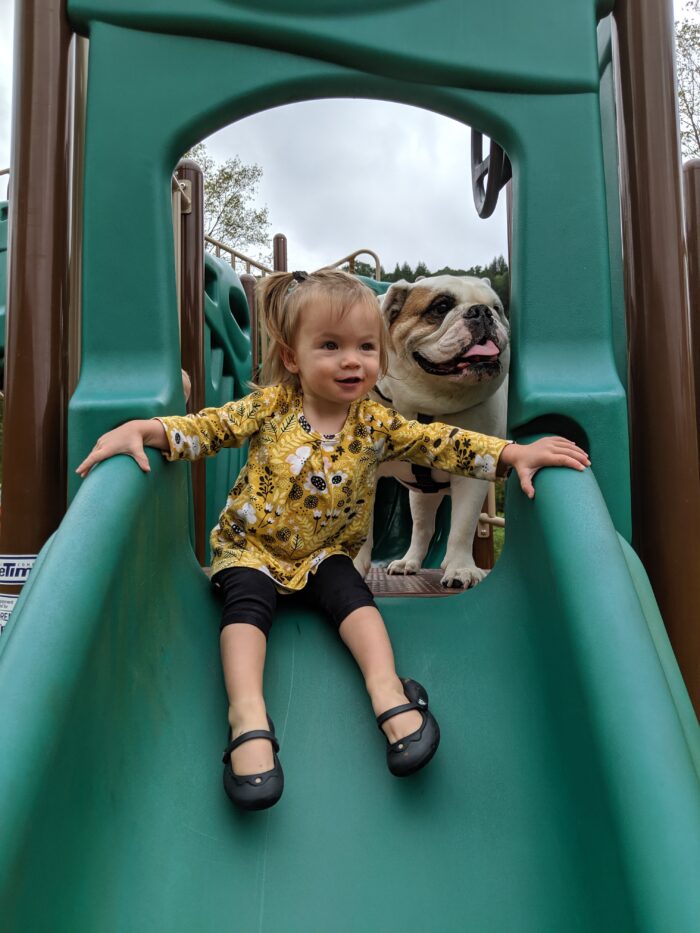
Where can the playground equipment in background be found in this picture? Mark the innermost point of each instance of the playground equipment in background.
(566, 792)
(3, 281)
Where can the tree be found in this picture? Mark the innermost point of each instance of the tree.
(229, 212)
(497, 271)
(688, 74)
(368, 270)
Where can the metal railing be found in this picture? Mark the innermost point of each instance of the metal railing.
(350, 260)
(236, 256)
(185, 193)
(490, 516)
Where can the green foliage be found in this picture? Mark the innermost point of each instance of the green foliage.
(499, 538)
(497, 272)
(688, 74)
(367, 269)
(499, 534)
(229, 214)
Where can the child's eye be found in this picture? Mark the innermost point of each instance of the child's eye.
(367, 346)
(330, 345)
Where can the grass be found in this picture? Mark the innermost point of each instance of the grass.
(499, 536)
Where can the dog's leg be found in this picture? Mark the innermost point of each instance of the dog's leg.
(467, 498)
(424, 506)
(363, 559)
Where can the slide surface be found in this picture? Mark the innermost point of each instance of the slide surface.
(564, 796)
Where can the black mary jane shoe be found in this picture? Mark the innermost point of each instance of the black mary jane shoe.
(413, 751)
(254, 791)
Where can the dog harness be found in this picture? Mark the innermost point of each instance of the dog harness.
(423, 476)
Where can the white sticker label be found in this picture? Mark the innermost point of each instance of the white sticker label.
(7, 604)
(14, 568)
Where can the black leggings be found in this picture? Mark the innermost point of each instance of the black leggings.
(250, 596)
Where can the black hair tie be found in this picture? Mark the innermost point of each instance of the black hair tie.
(299, 276)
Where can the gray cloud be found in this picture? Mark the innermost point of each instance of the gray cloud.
(343, 174)
(339, 175)
(7, 21)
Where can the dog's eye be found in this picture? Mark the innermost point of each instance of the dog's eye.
(441, 305)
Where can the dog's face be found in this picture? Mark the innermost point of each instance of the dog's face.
(447, 332)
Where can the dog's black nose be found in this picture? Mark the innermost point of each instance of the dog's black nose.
(477, 311)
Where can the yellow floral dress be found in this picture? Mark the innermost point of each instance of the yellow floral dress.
(304, 496)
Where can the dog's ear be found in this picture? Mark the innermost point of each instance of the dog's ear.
(487, 282)
(394, 300)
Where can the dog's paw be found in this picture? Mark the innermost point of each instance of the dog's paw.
(403, 566)
(464, 576)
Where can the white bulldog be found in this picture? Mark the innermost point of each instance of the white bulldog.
(448, 361)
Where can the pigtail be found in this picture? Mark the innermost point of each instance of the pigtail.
(272, 292)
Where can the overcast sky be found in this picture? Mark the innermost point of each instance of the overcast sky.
(350, 174)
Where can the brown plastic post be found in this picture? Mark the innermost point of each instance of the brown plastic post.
(279, 252)
(482, 548)
(248, 283)
(663, 428)
(691, 193)
(192, 326)
(34, 481)
(78, 64)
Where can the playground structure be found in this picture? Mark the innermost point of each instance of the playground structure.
(566, 793)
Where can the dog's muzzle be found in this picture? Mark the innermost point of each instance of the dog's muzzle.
(482, 355)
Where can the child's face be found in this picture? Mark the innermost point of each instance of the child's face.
(336, 358)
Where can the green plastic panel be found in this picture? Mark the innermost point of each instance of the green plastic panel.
(227, 359)
(506, 46)
(564, 795)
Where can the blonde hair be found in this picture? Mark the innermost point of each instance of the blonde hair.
(282, 296)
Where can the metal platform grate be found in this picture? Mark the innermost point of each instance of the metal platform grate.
(423, 583)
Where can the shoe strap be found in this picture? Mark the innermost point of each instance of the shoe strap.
(247, 736)
(395, 710)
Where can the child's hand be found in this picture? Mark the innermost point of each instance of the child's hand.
(527, 459)
(129, 438)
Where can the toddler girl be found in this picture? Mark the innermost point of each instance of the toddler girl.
(300, 509)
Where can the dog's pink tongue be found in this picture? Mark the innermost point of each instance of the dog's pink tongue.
(483, 349)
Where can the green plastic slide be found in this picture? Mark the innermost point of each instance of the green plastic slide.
(565, 795)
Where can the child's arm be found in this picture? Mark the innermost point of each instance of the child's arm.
(186, 437)
(191, 437)
(130, 438)
(527, 459)
(468, 453)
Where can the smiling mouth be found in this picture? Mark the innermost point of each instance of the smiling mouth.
(483, 357)
(350, 381)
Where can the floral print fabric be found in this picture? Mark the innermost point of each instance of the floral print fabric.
(304, 496)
